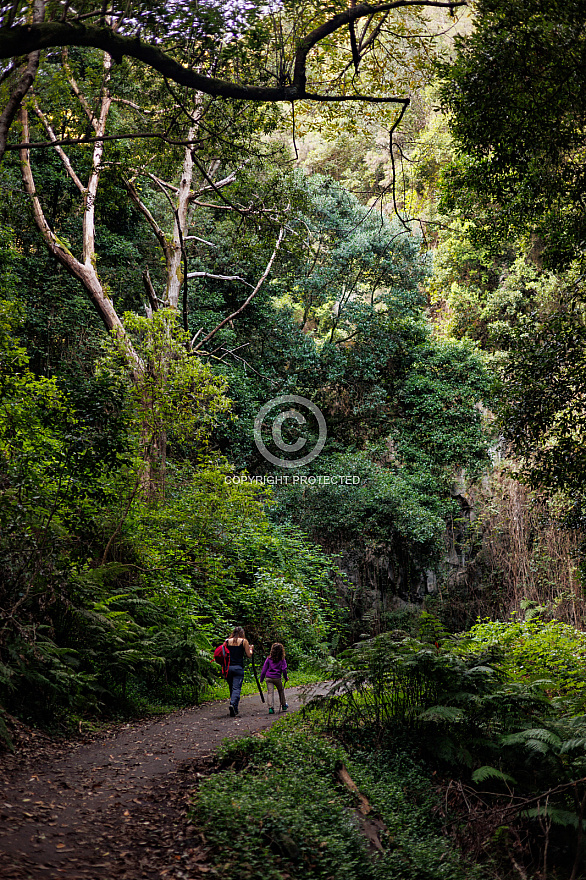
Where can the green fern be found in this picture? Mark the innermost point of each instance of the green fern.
(565, 818)
(571, 745)
(540, 735)
(441, 713)
(487, 772)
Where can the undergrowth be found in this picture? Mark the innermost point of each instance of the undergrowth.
(458, 746)
(277, 810)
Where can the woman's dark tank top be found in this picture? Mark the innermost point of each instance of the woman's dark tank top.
(236, 654)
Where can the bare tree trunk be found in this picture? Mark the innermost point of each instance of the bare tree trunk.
(84, 270)
(175, 275)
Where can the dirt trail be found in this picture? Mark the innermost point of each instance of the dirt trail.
(115, 807)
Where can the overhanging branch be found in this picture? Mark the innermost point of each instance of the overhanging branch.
(23, 39)
(80, 141)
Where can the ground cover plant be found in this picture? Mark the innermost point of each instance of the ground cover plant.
(278, 809)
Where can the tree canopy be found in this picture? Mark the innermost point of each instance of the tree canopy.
(515, 93)
(286, 52)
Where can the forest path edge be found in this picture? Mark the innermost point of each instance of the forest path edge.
(112, 807)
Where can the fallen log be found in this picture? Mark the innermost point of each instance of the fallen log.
(370, 826)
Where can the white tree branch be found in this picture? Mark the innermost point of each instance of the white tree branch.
(59, 150)
(218, 277)
(94, 177)
(86, 274)
(217, 185)
(247, 301)
(197, 238)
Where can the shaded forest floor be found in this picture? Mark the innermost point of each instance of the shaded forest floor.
(116, 806)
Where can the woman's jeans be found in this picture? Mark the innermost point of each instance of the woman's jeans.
(273, 683)
(235, 679)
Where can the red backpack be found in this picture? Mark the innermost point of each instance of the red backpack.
(222, 656)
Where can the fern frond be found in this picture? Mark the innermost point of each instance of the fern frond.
(441, 713)
(537, 745)
(557, 816)
(540, 734)
(487, 772)
(571, 744)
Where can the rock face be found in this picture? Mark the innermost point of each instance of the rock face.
(381, 584)
(505, 545)
(377, 584)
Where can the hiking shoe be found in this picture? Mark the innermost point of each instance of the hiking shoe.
(284, 707)
(271, 711)
(233, 711)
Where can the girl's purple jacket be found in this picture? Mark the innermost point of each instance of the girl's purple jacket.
(271, 669)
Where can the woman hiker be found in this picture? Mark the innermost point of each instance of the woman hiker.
(274, 666)
(238, 647)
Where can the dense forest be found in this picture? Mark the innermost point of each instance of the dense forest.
(292, 336)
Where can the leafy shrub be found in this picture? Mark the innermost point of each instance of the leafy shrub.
(453, 703)
(224, 558)
(468, 716)
(111, 602)
(537, 648)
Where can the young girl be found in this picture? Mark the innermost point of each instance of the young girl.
(274, 666)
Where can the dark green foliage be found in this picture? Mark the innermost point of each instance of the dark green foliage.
(102, 636)
(386, 506)
(543, 392)
(110, 603)
(213, 549)
(135, 583)
(74, 627)
(402, 791)
(53, 483)
(440, 427)
(422, 418)
(355, 259)
(338, 321)
(452, 703)
(516, 96)
(483, 718)
(341, 323)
